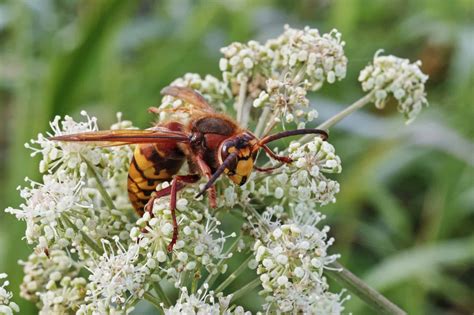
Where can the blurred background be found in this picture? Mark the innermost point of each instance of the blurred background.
(405, 214)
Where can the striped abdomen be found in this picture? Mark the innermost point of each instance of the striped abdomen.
(151, 166)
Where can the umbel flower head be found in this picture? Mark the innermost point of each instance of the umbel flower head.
(53, 283)
(291, 258)
(396, 77)
(7, 306)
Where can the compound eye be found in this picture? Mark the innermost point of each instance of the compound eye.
(227, 148)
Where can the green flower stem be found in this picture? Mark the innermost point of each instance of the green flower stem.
(243, 266)
(161, 294)
(341, 115)
(211, 278)
(248, 287)
(153, 300)
(241, 101)
(93, 245)
(373, 298)
(262, 121)
(92, 172)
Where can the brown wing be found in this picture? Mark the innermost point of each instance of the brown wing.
(126, 136)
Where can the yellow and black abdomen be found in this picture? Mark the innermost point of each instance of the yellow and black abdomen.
(150, 166)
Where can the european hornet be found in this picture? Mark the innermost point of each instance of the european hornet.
(211, 143)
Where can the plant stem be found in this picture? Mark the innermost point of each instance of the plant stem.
(153, 300)
(341, 115)
(262, 120)
(243, 266)
(161, 294)
(249, 286)
(241, 101)
(212, 277)
(373, 298)
(100, 186)
(93, 245)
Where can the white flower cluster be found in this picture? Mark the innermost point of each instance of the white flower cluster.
(117, 278)
(396, 77)
(68, 204)
(53, 282)
(314, 58)
(213, 90)
(303, 181)
(280, 73)
(245, 63)
(7, 306)
(288, 99)
(200, 243)
(291, 259)
(204, 302)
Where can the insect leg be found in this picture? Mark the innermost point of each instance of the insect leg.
(184, 179)
(205, 169)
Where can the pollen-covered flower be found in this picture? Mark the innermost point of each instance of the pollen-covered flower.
(309, 57)
(117, 277)
(291, 258)
(204, 302)
(7, 306)
(390, 76)
(200, 242)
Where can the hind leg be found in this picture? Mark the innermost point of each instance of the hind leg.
(178, 183)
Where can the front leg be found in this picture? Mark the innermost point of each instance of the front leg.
(206, 170)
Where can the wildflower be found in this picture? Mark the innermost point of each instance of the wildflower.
(204, 302)
(117, 277)
(246, 64)
(7, 306)
(200, 244)
(58, 272)
(291, 258)
(304, 180)
(309, 57)
(396, 77)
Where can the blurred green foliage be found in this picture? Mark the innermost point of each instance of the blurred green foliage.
(405, 214)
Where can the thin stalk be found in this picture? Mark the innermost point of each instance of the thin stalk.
(241, 101)
(153, 300)
(271, 122)
(249, 286)
(92, 172)
(246, 113)
(234, 275)
(262, 120)
(373, 298)
(161, 294)
(93, 245)
(211, 278)
(341, 115)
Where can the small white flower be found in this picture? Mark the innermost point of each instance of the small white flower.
(392, 76)
(117, 275)
(7, 306)
(312, 58)
(203, 302)
(291, 259)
